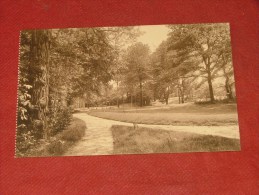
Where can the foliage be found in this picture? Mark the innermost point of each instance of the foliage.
(27, 146)
(73, 135)
(137, 62)
(23, 105)
(59, 118)
(24, 141)
(66, 138)
(200, 49)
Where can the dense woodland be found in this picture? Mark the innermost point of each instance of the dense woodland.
(107, 67)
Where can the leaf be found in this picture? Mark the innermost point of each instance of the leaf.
(27, 86)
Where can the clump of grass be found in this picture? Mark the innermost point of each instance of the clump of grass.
(56, 147)
(73, 135)
(128, 140)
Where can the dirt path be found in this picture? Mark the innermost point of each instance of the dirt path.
(98, 138)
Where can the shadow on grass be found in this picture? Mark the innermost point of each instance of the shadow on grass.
(128, 140)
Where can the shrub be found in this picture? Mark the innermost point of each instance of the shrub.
(24, 141)
(73, 135)
(56, 147)
(59, 119)
(27, 145)
(61, 142)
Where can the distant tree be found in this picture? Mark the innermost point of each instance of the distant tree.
(137, 61)
(119, 37)
(162, 77)
(171, 69)
(225, 65)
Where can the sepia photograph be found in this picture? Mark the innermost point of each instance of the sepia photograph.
(126, 90)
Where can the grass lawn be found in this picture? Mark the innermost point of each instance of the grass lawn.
(128, 140)
(208, 115)
(190, 107)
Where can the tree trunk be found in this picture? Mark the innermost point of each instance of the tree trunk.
(228, 89)
(211, 91)
(210, 84)
(182, 91)
(39, 51)
(131, 100)
(167, 93)
(179, 96)
(182, 97)
(118, 103)
(141, 94)
(166, 100)
(227, 85)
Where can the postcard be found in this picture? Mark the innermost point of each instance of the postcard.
(126, 90)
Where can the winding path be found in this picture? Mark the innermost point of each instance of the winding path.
(98, 137)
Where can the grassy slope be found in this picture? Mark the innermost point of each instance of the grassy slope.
(74, 132)
(143, 140)
(60, 143)
(217, 114)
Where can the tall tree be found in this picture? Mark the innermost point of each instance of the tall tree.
(95, 57)
(225, 64)
(39, 65)
(119, 37)
(201, 44)
(160, 67)
(137, 60)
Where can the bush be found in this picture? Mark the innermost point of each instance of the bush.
(27, 145)
(59, 119)
(73, 135)
(24, 142)
(66, 138)
(56, 147)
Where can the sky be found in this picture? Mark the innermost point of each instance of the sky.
(153, 36)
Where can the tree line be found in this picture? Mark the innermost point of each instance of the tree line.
(184, 65)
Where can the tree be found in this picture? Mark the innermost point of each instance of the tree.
(137, 60)
(39, 77)
(170, 67)
(119, 37)
(161, 80)
(95, 57)
(200, 44)
(225, 65)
